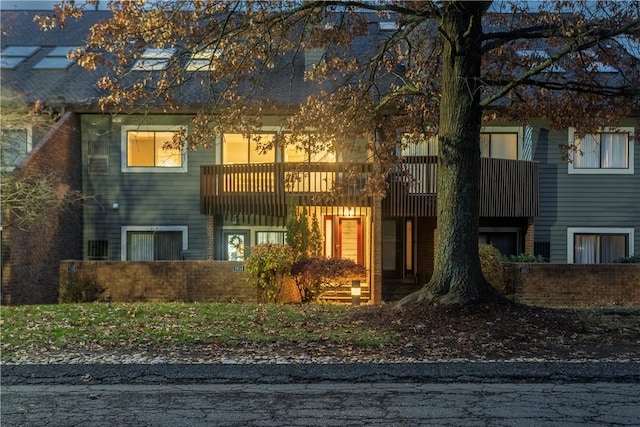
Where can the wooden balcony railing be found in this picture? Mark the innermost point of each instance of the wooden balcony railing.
(266, 189)
(508, 188)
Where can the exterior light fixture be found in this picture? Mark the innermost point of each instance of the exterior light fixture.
(356, 291)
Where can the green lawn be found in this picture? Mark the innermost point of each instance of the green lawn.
(128, 326)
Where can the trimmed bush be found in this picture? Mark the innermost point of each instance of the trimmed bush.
(491, 264)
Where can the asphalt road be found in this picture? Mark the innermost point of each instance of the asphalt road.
(446, 394)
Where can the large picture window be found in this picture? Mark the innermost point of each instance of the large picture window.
(604, 152)
(151, 149)
(598, 245)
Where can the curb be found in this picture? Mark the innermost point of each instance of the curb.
(441, 372)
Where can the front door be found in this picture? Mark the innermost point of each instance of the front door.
(349, 245)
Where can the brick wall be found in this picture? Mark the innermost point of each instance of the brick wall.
(574, 285)
(186, 281)
(30, 259)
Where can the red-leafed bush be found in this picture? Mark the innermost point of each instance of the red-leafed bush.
(314, 275)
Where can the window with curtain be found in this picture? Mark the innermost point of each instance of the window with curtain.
(599, 248)
(499, 145)
(154, 245)
(271, 237)
(606, 150)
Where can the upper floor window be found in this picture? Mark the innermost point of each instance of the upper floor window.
(499, 145)
(240, 149)
(607, 152)
(151, 149)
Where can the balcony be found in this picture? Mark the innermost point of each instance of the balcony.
(267, 189)
(508, 188)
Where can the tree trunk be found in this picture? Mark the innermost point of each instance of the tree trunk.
(457, 276)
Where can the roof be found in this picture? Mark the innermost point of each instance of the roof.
(74, 87)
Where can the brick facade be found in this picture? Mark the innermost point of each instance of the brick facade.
(575, 285)
(30, 258)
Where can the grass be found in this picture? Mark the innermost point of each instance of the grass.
(140, 325)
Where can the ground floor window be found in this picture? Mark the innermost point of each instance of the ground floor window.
(153, 243)
(506, 241)
(278, 237)
(236, 243)
(598, 245)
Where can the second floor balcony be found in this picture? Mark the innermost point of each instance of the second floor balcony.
(508, 188)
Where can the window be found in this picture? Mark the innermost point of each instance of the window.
(505, 239)
(204, 60)
(534, 57)
(13, 56)
(278, 237)
(502, 142)
(98, 157)
(98, 249)
(150, 149)
(15, 144)
(499, 145)
(56, 59)
(236, 243)
(598, 245)
(605, 152)
(153, 243)
(238, 149)
(304, 180)
(154, 60)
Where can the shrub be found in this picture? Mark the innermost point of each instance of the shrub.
(314, 275)
(491, 264)
(267, 266)
(79, 288)
(633, 259)
(524, 257)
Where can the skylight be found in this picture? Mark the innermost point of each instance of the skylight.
(537, 56)
(12, 56)
(154, 60)
(630, 45)
(204, 60)
(56, 59)
(388, 25)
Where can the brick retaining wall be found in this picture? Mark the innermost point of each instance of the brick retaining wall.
(575, 285)
(204, 281)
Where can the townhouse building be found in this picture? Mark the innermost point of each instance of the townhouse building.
(150, 203)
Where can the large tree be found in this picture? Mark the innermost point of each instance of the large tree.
(443, 69)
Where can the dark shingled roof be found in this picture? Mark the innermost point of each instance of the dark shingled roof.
(75, 88)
